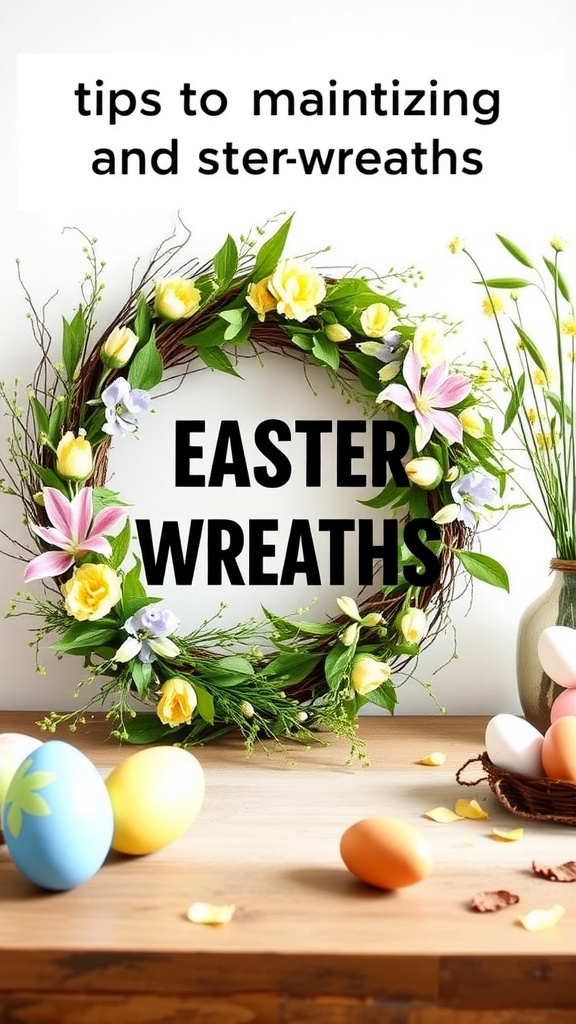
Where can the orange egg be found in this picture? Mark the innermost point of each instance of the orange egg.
(386, 852)
(559, 749)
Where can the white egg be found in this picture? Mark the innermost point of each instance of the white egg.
(514, 744)
(557, 654)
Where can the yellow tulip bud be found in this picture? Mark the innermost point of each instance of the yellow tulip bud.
(177, 298)
(74, 457)
(177, 703)
(472, 422)
(413, 625)
(337, 332)
(377, 320)
(350, 634)
(118, 347)
(424, 471)
(368, 674)
(428, 343)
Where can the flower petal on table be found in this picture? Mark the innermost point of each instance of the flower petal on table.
(435, 758)
(540, 920)
(210, 913)
(470, 809)
(442, 814)
(512, 836)
(490, 901)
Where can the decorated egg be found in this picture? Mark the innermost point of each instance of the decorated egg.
(386, 852)
(14, 747)
(57, 817)
(514, 744)
(557, 654)
(156, 794)
(565, 704)
(559, 749)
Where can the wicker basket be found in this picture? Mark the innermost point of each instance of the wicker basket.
(539, 799)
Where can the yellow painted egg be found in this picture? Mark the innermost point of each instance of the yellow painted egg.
(156, 794)
(386, 852)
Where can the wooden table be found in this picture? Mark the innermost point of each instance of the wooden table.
(308, 943)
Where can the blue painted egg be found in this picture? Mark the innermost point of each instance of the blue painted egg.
(57, 817)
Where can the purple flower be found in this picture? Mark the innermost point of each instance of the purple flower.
(471, 493)
(428, 398)
(123, 406)
(148, 635)
(72, 531)
(385, 350)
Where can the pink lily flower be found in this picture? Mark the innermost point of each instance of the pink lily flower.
(429, 398)
(72, 531)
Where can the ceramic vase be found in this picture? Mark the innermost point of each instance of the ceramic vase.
(556, 607)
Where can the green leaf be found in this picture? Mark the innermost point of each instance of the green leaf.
(236, 319)
(326, 351)
(142, 319)
(530, 347)
(51, 479)
(134, 604)
(103, 497)
(270, 252)
(73, 338)
(288, 628)
(354, 293)
(120, 545)
(40, 415)
(86, 635)
(484, 568)
(205, 704)
(391, 495)
(142, 675)
(514, 251)
(55, 422)
(131, 586)
(337, 664)
(384, 697)
(514, 403)
(235, 663)
(147, 729)
(210, 337)
(216, 359)
(367, 368)
(303, 341)
(558, 279)
(146, 369)
(291, 669)
(562, 408)
(506, 282)
(226, 263)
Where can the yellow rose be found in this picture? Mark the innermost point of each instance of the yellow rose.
(368, 673)
(413, 625)
(177, 298)
(92, 592)
(377, 320)
(298, 289)
(74, 457)
(118, 347)
(177, 703)
(337, 332)
(428, 344)
(472, 423)
(259, 298)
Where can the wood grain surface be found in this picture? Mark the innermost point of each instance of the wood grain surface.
(308, 942)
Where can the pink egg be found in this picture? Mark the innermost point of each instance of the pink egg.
(565, 704)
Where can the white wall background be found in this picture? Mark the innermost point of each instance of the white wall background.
(523, 48)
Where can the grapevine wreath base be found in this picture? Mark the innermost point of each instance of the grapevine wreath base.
(286, 676)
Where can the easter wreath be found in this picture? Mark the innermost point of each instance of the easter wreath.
(286, 676)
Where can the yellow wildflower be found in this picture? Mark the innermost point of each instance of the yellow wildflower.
(568, 326)
(484, 375)
(558, 244)
(456, 244)
(532, 415)
(493, 305)
(541, 378)
(545, 441)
